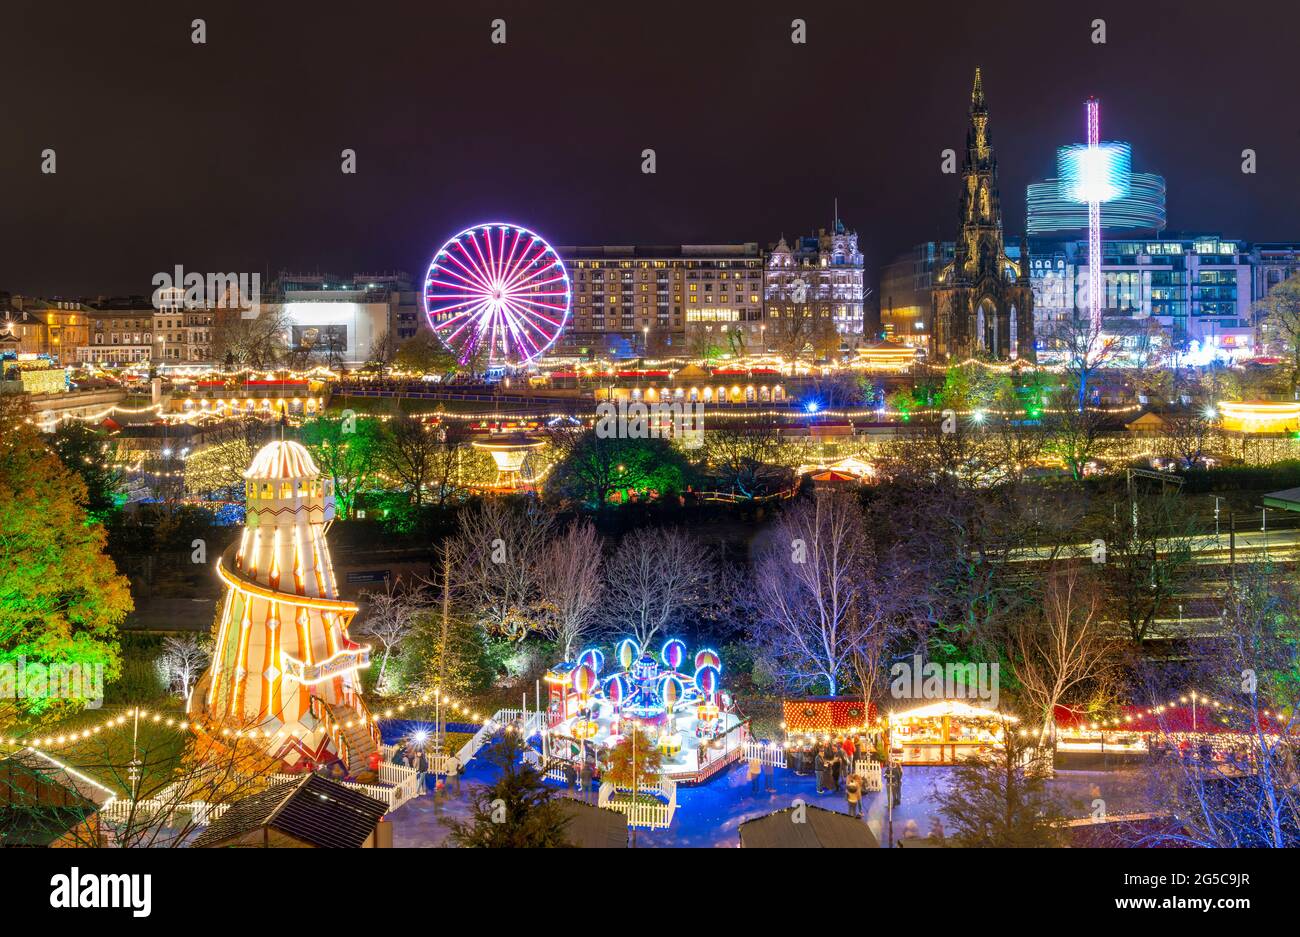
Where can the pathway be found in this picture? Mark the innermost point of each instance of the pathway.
(710, 814)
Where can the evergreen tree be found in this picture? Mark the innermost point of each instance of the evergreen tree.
(518, 811)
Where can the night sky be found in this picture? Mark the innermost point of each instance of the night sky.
(225, 156)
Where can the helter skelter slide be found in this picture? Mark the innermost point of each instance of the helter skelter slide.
(284, 671)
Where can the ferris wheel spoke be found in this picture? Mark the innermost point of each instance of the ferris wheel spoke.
(474, 272)
(529, 268)
(468, 279)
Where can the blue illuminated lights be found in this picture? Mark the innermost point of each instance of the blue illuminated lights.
(1094, 173)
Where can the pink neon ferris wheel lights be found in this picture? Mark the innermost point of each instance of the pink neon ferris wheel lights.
(497, 289)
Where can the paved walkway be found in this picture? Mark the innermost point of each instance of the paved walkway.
(710, 814)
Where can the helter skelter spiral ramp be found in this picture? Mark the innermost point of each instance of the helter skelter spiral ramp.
(284, 671)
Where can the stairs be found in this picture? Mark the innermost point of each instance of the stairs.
(359, 738)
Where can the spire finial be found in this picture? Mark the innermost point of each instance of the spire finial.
(977, 92)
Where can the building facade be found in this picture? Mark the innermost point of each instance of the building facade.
(982, 304)
(120, 332)
(705, 300)
(905, 287)
(679, 301)
(813, 292)
(54, 327)
(1190, 295)
(341, 321)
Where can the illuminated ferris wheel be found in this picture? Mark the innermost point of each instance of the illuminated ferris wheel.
(497, 291)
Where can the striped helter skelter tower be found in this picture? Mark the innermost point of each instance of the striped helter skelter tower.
(283, 668)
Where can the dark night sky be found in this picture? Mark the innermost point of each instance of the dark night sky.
(225, 157)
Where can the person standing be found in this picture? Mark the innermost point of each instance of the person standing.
(755, 774)
(453, 772)
(584, 780)
(422, 767)
(896, 782)
(823, 770)
(853, 794)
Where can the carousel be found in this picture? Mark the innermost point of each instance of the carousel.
(683, 707)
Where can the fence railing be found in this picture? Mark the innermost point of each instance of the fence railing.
(653, 815)
(148, 810)
(870, 772)
(766, 752)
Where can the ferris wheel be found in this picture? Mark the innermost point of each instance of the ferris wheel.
(497, 290)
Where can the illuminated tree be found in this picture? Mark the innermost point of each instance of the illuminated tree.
(218, 470)
(92, 455)
(424, 354)
(246, 340)
(496, 559)
(1065, 648)
(413, 453)
(1000, 799)
(820, 592)
(389, 617)
(518, 811)
(634, 765)
(749, 458)
(591, 468)
(61, 598)
(346, 449)
(1280, 325)
(1251, 670)
(183, 660)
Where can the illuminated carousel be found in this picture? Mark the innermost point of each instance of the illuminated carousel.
(682, 707)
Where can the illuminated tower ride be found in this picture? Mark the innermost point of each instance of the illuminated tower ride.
(283, 668)
(1094, 173)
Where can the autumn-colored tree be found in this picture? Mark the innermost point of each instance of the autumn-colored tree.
(61, 598)
(635, 763)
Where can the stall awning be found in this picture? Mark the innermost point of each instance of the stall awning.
(958, 708)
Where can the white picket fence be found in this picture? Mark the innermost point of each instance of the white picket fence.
(400, 784)
(765, 752)
(870, 772)
(149, 810)
(656, 815)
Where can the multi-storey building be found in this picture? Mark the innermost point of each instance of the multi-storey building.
(1194, 294)
(678, 300)
(905, 287)
(814, 292)
(46, 327)
(696, 300)
(343, 321)
(120, 331)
